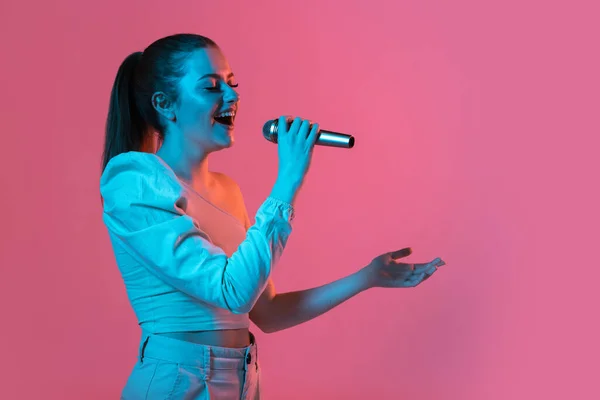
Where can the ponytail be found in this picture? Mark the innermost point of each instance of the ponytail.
(125, 129)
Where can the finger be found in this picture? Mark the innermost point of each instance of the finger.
(407, 251)
(416, 279)
(282, 125)
(304, 127)
(426, 271)
(421, 267)
(435, 263)
(314, 134)
(295, 126)
(429, 272)
(438, 262)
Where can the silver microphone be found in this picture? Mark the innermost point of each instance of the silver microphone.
(325, 138)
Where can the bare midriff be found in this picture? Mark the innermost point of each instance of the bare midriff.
(231, 338)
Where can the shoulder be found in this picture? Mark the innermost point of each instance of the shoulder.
(226, 182)
(135, 175)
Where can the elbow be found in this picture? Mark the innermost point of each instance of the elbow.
(264, 324)
(264, 328)
(269, 330)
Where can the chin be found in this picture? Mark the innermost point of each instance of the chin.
(227, 144)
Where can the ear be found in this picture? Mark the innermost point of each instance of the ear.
(163, 105)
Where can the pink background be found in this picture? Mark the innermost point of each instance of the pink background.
(476, 126)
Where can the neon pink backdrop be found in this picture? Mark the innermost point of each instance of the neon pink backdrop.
(476, 127)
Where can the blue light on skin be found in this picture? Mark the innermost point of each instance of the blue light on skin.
(207, 88)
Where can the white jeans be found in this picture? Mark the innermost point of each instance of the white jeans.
(174, 369)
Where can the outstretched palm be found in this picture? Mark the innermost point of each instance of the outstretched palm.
(386, 271)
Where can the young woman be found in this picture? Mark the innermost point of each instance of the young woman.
(195, 269)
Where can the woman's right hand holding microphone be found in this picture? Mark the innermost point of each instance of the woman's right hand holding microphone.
(295, 147)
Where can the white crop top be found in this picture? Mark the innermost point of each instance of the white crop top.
(187, 265)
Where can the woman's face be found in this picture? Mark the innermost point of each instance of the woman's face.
(208, 101)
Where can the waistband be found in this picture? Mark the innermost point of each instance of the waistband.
(200, 356)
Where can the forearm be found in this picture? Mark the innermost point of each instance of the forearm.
(293, 308)
(286, 189)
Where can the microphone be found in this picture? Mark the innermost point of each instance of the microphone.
(325, 138)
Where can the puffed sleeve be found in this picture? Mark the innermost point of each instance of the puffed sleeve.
(142, 210)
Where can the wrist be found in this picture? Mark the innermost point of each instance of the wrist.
(365, 278)
(285, 190)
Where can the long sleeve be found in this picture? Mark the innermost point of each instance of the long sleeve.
(144, 209)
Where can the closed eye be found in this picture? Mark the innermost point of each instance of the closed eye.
(217, 88)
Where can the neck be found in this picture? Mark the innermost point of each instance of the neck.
(190, 164)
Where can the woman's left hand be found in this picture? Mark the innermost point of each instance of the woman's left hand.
(386, 271)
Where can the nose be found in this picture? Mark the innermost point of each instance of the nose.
(231, 95)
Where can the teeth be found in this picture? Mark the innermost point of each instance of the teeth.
(226, 114)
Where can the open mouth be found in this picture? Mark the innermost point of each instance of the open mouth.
(226, 118)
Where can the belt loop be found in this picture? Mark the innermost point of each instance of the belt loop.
(143, 343)
(207, 363)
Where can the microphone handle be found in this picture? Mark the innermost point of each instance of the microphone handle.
(325, 138)
(334, 139)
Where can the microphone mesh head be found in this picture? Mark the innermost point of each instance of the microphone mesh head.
(269, 126)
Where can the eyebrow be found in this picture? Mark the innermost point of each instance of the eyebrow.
(215, 76)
